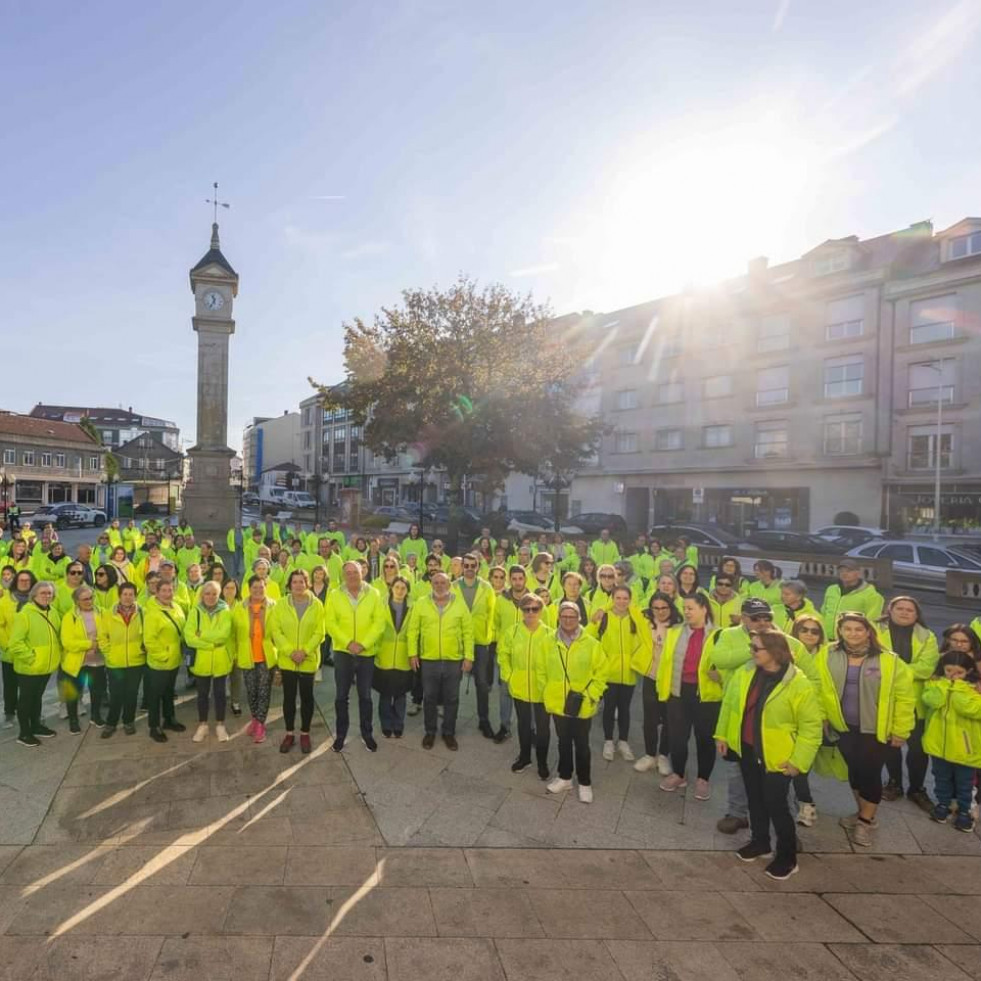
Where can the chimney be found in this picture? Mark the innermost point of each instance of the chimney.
(757, 266)
(131, 410)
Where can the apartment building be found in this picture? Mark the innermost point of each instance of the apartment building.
(115, 426)
(268, 441)
(798, 391)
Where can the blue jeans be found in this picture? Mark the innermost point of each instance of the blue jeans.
(391, 712)
(505, 704)
(953, 781)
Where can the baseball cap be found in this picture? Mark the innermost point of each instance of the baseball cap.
(756, 607)
(848, 564)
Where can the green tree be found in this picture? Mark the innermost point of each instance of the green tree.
(477, 380)
(112, 464)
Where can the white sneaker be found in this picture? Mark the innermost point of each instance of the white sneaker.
(201, 733)
(664, 766)
(221, 732)
(62, 710)
(585, 794)
(623, 748)
(8, 723)
(318, 675)
(645, 763)
(557, 785)
(807, 815)
(608, 751)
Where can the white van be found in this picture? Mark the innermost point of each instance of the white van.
(298, 499)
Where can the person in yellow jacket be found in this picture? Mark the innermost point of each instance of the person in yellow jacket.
(106, 587)
(480, 598)
(355, 619)
(82, 663)
(867, 698)
(771, 719)
(255, 651)
(12, 599)
(507, 613)
(164, 621)
(904, 631)
(618, 630)
(604, 551)
(65, 588)
(35, 644)
(793, 603)
(208, 632)
(393, 673)
(297, 633)
(953, 735)
(519, 651)
(572, 677)
(121, 644)
(441, 647)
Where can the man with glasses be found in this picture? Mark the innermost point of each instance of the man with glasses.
(507, 613)
(479, 597)
(441, 647)
(850, 594)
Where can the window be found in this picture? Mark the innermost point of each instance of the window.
(773, 385)
(628, 354)
(668, 439)
(930, 381)
(27, 458)
(934, 556)
(843, 435)
(60, 460)
(340, 434)
(669, 346)
(933, 319)
(9, 456)
(922, 447)
(307, 439)
(965, 245)
(830, 262)
(627, 399)
(45, 459)
(716, 436)
(844, 318)
(670, 392)
(107, 436)
(898, 553)
(774, 333)
(771, 440)
(93, 463)
(306, 462)
(843, 376)
(355, 432)
(306, 416)
(717, 387)
(626, 443)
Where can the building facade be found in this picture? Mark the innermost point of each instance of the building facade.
(46, 461)
(150, 477)
(269, 441)
(115, 426)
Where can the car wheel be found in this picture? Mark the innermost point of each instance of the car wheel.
(61, 524)
(99, 521)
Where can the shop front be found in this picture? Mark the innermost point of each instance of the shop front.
(740, 509)
(911, 508)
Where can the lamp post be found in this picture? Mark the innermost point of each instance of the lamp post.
(938, 366)
(422, 487)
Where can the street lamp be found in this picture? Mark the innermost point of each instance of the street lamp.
(937, 366)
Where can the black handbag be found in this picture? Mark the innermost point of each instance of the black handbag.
(573, 699)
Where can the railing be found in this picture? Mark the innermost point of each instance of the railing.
(816, 568)
(964, 587)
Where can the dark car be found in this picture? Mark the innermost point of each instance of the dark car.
(593, 522)
(711, 536)
(794, 543)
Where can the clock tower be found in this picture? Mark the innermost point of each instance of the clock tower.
(209, 501)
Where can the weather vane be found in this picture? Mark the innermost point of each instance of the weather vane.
(217, 204)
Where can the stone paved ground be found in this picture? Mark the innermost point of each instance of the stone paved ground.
(121, 859)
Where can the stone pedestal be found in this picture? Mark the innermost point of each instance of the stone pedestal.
(210, 503)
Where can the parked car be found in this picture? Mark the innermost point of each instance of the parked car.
(832, 532)
(918, 563)
(793, 542)
(853, 537)
(531, 522)
(593, 522)
(711, 536)
(68, 516)
(249, 499)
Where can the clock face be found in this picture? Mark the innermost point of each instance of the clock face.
(213, 300)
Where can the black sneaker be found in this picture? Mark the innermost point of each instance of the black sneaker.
(236, 708)
(30, 741)
(543, 771)
(43, 732)
(337, 745)
(370, 744)
(485, 729)
(397, 734)
(781, 870)
(921, 799)
(753, 851)
(74, 728)
(964, 822)
(97, 721)
(174, 727)
(108, 732)
(892, 791)
(502, 734)
(129, 728)
(520, 765)
(387, 733)
(157, 736)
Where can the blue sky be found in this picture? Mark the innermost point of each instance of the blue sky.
(598, 154)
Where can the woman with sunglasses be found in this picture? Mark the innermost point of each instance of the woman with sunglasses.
(601, 598)
(617, 628)
(903, 631)
(65, 589)
(392, 677)
(724, 600)
(771, 719)
(731, 567)
(867, 698)
(809, 630)
(106, 587)
(659, 617)
(519, 652)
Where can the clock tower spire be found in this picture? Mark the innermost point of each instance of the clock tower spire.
(209, 501)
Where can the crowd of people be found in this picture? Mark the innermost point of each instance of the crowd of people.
(764, 680)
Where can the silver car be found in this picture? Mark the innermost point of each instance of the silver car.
(922, 564)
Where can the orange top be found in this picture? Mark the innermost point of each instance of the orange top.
(257, 633)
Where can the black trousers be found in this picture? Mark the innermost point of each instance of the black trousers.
(655, 717)
(916, 760)
(352, 669)
(441, 686)
(10, 682)
(301, 681)
(865, 757)
(30, 694)
(616, 709)
(687, 712)
(159, 687)
(766, 794)
(483, 679)
(124, 687)
(532, 720)
(72, 687)
(573, 737)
